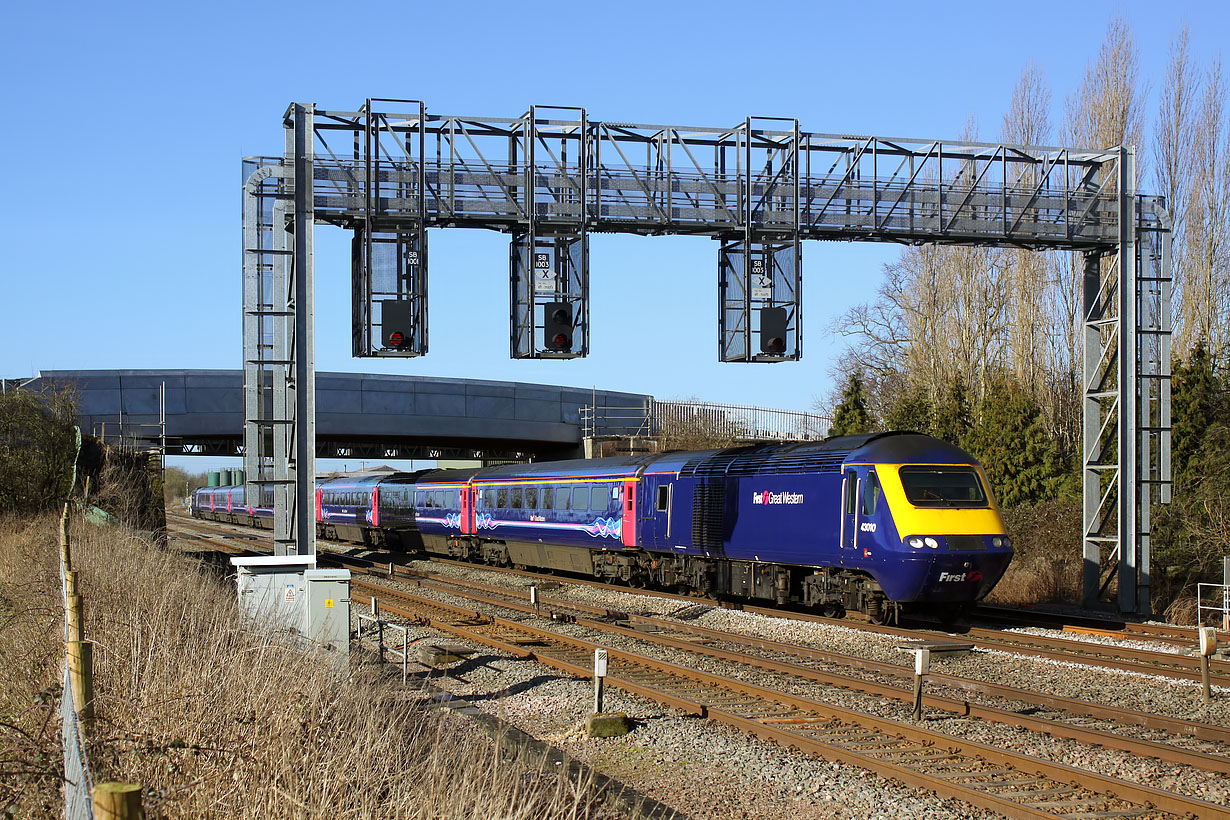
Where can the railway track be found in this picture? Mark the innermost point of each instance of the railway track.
(1061, 717)
(999, 780)
(1065, 649)
(1009, 783)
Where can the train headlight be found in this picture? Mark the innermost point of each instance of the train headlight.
(1007, 542)
(915, 542)
(997, 541)
(931, 542)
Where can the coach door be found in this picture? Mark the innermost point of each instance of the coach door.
(656, 514)
(467, 509)
(627, 527)
(851, 484)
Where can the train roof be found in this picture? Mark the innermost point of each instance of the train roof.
(598, 467)
(904, 447)
(831, 454)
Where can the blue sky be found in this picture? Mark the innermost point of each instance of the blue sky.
(126, 123)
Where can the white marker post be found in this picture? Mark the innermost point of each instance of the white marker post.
(379, 630)
(1208, 644)
(534, 599)
(922, 665)
(600, 661)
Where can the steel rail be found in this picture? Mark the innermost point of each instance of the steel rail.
(975, 773)
(1184, 635)
(1057, 728)
(1083, 652)
(762, 729)
(1087, 653)
(1176, 726)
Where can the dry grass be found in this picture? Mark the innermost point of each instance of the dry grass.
(218, 722)
(31, 649)
(1036, 579)
(1182, 611)
(1047, 565)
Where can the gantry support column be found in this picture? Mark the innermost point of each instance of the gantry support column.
(303, 355)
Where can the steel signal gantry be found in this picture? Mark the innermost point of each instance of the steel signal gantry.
(551, 177)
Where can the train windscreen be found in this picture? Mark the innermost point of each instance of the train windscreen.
(943, 487)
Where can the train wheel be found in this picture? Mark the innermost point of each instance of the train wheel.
(875, 611)
(833, 611)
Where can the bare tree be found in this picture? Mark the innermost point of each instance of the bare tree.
(1027, 122)
(1108, 108)
(1174, 148)
(1205, 307)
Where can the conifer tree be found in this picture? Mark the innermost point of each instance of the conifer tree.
(952, 416)
(851, 416)
(911, 411)
(1010, 439)
(1194, 401)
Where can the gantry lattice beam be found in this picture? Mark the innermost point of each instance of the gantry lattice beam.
(551, 177)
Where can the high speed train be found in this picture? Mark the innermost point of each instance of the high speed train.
(875, 523)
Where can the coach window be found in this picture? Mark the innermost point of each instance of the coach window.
(531, 498)
(871, 493)
(546, 499)
(580, 497)
(501, 498)
(514, 498)
(454, 499)
(489, 498)
(598, 499)
(664, 498)
(563, 498)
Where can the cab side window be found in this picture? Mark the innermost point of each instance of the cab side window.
(851, 491)
(871, 493)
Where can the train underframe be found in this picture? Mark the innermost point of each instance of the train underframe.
(831, 591)
(828, 590)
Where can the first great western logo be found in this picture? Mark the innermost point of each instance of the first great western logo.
(774, 499)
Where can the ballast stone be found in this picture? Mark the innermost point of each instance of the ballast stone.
(607, 724)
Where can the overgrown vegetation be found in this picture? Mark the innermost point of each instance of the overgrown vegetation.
(219, 722)
(37, 449)
(983, 346)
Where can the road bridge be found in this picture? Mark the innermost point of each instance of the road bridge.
(358, 415)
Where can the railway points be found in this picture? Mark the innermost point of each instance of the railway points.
(516, 600)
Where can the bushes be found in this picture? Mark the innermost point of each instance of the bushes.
(37, 448)
(1047, 566)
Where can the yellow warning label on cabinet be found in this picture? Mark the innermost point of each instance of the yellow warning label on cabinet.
(328, 603)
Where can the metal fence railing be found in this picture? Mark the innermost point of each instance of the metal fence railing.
(78, 777)
(722, 421)
(378, 627)
(1213, 604)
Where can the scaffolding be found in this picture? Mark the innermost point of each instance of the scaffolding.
(552, 176)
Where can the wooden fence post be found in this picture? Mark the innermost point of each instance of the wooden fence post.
(70, 582)
(76, 618)
(66, 556)
(81, 676)
(118, 801)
